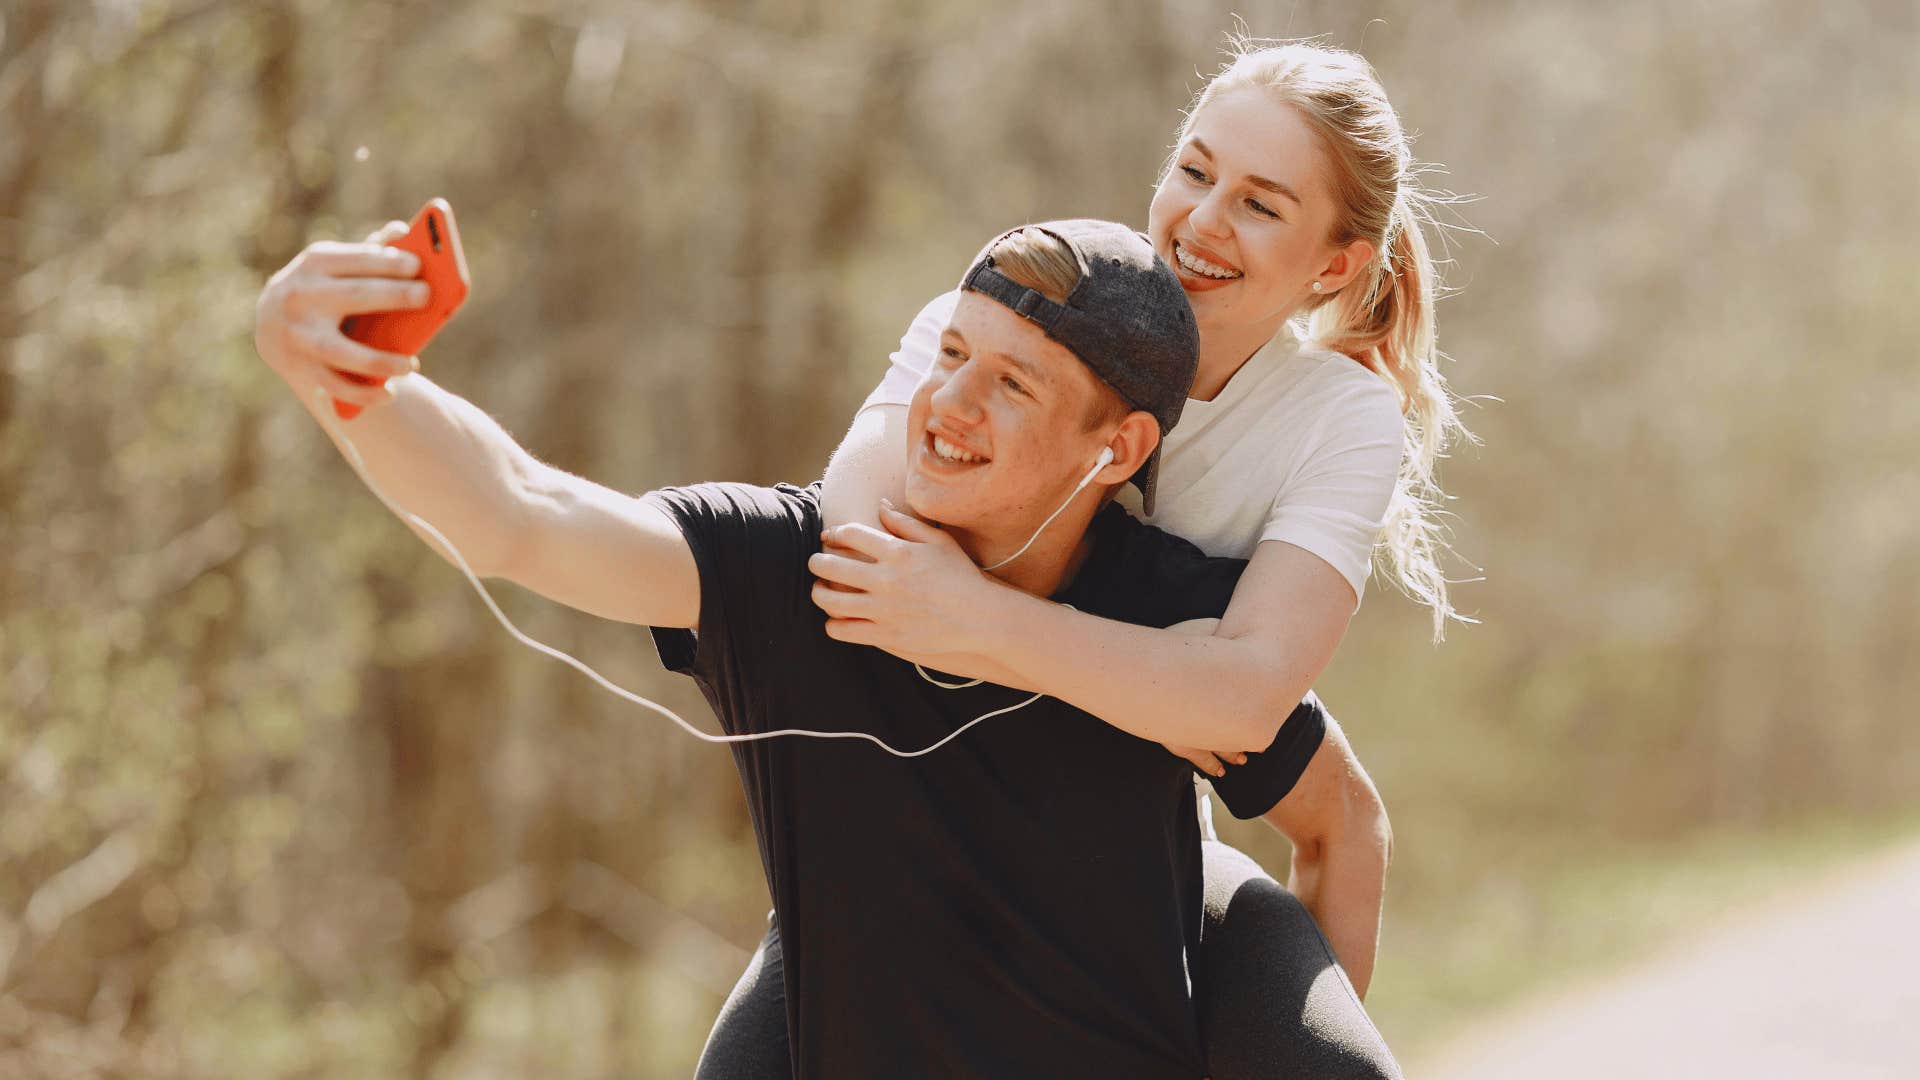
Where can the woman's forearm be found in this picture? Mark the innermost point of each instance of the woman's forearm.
(1218, 692)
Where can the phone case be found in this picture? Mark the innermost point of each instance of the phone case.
(432, 236)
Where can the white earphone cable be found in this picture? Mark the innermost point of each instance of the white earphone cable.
(360, 467)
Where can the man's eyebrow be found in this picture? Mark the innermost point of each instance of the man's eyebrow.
(1027, 367)
(1261, 182)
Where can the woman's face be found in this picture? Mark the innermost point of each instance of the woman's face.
(1244, 215)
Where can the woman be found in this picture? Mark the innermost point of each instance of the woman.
(1291, 195)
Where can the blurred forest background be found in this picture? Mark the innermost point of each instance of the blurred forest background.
(278, 798)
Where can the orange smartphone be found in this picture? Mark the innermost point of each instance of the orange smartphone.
(443, 266)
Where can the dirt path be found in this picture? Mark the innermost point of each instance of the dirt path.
(1822, 984)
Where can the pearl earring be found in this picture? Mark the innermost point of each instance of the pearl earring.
(1317, 286)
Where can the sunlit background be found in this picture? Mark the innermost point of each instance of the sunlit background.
(278, 798)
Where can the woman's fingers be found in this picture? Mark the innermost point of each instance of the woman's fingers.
(840, 570)
(850, 631)
(905, 525)
(840, 604)
(1204, 760)
(862, 538)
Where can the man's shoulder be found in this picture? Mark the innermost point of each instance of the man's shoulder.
(1141, 573)
(761, 521)
(750, 545)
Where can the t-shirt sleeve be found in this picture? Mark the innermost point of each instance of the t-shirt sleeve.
(750, 545)
(1336, 503)
(1252, 789)
(918, 346)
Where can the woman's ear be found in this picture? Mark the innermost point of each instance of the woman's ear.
(1132, 443)
(1345, 265)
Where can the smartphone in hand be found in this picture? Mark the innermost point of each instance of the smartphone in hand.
(431, 235)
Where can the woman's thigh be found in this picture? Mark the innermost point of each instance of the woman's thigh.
(1273, 1003)
(749, 1039)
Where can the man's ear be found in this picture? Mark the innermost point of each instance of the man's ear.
(1132, 443)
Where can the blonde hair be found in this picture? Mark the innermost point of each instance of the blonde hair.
(1039, 260)
(1384, 317)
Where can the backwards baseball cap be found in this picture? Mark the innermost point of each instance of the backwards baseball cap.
(1128, 319)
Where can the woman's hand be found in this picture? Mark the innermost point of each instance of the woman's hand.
(1206, 760)
(909, 589)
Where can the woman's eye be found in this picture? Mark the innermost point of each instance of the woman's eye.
(1261, 209)
(1194, 174)
(951, 354)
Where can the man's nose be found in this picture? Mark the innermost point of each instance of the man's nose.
(957, 400)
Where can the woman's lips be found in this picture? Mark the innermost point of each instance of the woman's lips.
(1191, 281)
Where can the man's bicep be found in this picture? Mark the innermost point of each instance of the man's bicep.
(605, 553)
(1330, 789)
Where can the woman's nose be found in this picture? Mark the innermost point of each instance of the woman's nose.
(1209, 217)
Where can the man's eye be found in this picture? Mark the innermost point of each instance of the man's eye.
(1013, 384)
(948, 352)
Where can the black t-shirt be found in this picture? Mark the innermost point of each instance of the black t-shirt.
(1021, 902)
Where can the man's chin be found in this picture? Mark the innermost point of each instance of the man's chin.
(932, 504)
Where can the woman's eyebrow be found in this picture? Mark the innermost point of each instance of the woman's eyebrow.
(1261, 182)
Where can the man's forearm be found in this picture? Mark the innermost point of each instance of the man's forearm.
(439, 456)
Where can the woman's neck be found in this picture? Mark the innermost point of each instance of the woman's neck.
(1224, 350)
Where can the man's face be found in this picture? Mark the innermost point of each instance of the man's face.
(997, 432)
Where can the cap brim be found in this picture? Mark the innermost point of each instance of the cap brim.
(1147, 480)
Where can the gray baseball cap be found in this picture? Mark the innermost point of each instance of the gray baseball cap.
(1128, 319)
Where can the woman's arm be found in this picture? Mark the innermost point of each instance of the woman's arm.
(1342, 844)
(926, 601)
(870, 465)
(1229, 691)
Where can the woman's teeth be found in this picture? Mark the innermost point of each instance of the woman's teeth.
(1193, 264)
(950, 452)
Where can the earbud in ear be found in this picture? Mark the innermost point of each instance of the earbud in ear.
(1106, 458)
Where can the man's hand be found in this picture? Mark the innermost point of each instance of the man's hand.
(297, 319)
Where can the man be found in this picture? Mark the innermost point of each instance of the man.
(1024, 900)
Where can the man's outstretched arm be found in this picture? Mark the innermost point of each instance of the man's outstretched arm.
(1341, 847)
(442, 458)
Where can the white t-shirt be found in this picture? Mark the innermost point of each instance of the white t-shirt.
(1303, 445)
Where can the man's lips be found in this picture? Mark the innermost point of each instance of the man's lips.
(943, 453)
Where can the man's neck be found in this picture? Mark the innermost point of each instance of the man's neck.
(1052, 560)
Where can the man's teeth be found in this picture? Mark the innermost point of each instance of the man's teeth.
(951, 452)
(1193, 264)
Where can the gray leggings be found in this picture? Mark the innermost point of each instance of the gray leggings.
(1273, 1004)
